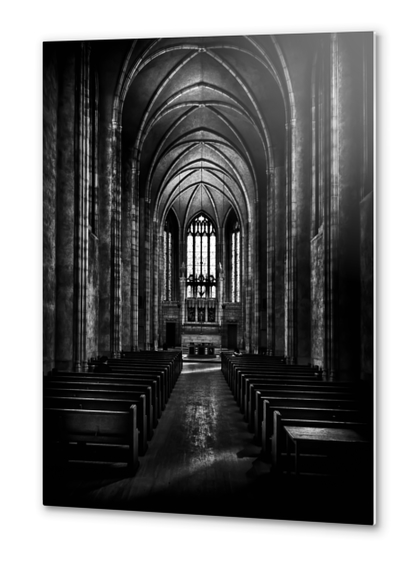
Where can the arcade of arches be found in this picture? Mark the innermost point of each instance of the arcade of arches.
(216, 189)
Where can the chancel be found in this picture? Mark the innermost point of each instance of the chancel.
(208, 275)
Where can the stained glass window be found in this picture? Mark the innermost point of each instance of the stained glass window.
(168, 263)
(201, 258)
(235, 263)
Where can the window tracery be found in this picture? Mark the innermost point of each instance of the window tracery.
(201, 258)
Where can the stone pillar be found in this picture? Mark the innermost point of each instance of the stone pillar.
(134, 259)
(83, 181)
(116, 241)
(367, 214)
(342, 208)
(105, 233)
(332, 223)
(351, 148)
(270, 261)
(155, 284)
(220, 280)
(50, 131)
(247, 276)
(256, 282)
(127, 236)
(65, 211)
(291, 323)
(182, 294)
(148, 275)
(279, 218)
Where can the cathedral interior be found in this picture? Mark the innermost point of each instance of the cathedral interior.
(210, 196)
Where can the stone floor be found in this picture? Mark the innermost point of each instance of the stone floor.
(202, 460)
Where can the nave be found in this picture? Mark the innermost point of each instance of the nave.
(203, 460)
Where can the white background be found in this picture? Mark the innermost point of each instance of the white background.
(31, 531)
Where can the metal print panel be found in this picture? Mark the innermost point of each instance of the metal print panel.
(208, 276)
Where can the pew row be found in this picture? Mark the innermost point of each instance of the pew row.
(64, 427)
(279, 441)
(107, 404)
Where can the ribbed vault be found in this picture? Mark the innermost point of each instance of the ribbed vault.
(205, 112)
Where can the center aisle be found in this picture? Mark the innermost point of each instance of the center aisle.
(201, 460)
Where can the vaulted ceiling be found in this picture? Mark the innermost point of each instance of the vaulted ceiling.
(203, 119)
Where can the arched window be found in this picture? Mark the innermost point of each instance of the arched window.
(201, 258)
(235, 263)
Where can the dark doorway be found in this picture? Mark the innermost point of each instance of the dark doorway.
(231, 336)
(170, 334)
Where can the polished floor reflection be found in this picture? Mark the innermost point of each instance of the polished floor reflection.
(202, 460)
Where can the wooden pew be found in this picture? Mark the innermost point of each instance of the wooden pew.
(278, 439)
(284, 373)
(305, 413)
(250, 385)
(230, 364)
(118, 390)
(274, 400)
(175, 357)
(65, 426)
(172, 361)
(284, 382)
(108, 404)
(313, 393)
(161, 372)
(140, 382)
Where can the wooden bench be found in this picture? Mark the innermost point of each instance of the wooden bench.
(247, 402)
(109, 386)
(324, 394)
(162, 373)
(275, 383)
(139, 382)
(328, 437)
(278, 441)
(305, 413)
(337, 405)
(174, 357)
(235, 383)
(108, 404)
(62, 427)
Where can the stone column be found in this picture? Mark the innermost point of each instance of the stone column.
(134, 259)
(182, 294)
(270, 261)
(82, 178)
(148, 275)
(127, 236)
(367, 213)
(65, 211)
(291, 324)
(220, 280)
(50, 131)
(105, 234)
(256, 282)
(279, 218)
(155, 283)
(348, 49)
(116, 241)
